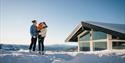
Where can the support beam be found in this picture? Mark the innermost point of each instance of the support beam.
(91, 40)
(109, 42)
(78, 44)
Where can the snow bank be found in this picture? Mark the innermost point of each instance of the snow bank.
(23, 56)
(23, 59)
(114, 56)
(81, 58)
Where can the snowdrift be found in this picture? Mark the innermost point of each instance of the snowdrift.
(23, 56)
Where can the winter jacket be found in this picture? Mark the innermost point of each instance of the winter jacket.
(33, 30)
(43, 32)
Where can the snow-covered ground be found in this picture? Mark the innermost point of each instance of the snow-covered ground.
(23, 56)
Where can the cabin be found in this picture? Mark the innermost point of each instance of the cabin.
(96, 36)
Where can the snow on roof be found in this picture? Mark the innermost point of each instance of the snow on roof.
(112, 26)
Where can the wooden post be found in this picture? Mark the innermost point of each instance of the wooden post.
(109, 42)
(78, 44)
(91, 40)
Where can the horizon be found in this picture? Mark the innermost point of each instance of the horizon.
(61, 17)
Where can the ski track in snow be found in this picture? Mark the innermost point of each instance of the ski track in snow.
(63, 57)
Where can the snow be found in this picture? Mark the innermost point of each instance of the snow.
(116, 27)
(23, 56)
(114, 56)
(26, 57)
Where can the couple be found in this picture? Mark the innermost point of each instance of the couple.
(40, 33)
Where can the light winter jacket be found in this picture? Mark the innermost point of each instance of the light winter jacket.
(43, 32)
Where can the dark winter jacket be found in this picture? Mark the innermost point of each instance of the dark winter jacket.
(33, 30)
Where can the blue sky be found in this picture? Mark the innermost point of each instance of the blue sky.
(60, 15)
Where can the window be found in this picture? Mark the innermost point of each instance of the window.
(85, 37)
(99, 41)
(118, 45)
(84, 46)
(99, 35)
(102, 45)
(84, 42)
(118, 42)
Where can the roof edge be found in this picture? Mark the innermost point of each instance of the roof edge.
(73, 32)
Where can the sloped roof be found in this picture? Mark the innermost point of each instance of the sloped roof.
(113, 29)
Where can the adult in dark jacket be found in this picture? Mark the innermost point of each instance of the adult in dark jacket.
(34, 33)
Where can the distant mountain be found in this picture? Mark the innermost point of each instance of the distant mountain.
(55, 47)
(13, 47)
(58, 47)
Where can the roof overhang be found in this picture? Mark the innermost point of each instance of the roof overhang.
(73, 36)
(88, 26)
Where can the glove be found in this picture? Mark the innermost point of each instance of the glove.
(39, 33)
(34, 36)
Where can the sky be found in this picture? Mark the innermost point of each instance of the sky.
(61, 17)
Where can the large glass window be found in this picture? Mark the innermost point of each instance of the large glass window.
(84, 42)
(118, 45)
(99, 35)
(99, 39)
(102, 45)
(84, 46)
(85, 37)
